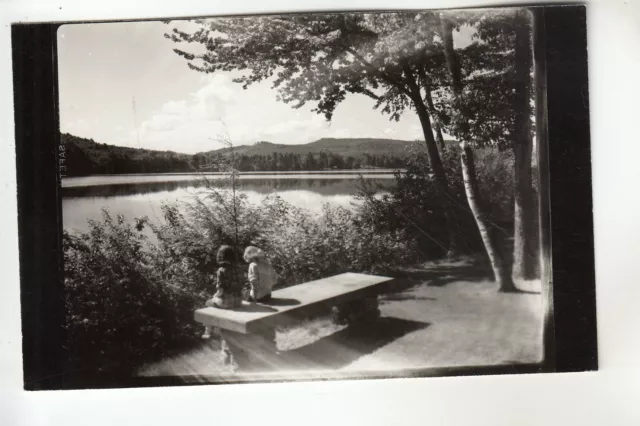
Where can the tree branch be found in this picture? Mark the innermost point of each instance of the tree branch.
(422, 75)
(414, 93)
(382, 74)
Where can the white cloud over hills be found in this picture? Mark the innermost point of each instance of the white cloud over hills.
(220, 107)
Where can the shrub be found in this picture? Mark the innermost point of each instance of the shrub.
(130, 302)
(304, 247)
(495, 177)
(414, 207)
(120, 313)
(188, 242)
(301, 246)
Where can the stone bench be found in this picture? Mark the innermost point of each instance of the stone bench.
(248, 332)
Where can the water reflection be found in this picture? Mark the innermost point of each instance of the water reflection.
(84, 198)
(326, 186)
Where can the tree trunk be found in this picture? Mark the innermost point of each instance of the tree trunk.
(548, 331)
(501, 272)
(440, 178)
(500, 269)
(436, 122)
(432, 148)
(450, 55)
(235, 204)
(436, 167)
(525, 246)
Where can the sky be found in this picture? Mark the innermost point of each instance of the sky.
(122, 84)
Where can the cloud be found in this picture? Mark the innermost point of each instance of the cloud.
(299, 127)
(341, 133)
(221, 107)
(188, 125)
(174, 108)
(162, 123)
(217, 86)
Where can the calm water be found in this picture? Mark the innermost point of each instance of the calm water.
(142, 195)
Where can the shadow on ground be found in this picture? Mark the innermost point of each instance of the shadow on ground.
(397, 297)
(441, 274)
(344, 347)
(436, 315)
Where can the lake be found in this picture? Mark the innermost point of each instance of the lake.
(133, 196)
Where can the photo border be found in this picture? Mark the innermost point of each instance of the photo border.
(570, 338)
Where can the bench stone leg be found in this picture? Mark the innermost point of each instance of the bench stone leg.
(356, 311)
(255, 351)
(231, 354)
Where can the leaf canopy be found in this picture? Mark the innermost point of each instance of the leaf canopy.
(322, 58)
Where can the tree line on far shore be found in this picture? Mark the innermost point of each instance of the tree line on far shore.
(87, 157)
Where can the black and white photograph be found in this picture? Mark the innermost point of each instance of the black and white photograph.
(304, 196)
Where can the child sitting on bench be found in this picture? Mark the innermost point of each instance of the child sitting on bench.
(229, 283)
(262, 276)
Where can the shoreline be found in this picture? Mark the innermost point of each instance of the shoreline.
(275, 172)
(135, 179)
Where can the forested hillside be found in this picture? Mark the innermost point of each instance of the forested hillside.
(87, 157)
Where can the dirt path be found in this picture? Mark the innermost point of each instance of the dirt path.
(443, 315)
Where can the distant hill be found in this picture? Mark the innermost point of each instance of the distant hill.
(345, 147)
(86, 156)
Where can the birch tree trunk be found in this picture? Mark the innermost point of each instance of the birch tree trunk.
(501, 271)
(525, 246)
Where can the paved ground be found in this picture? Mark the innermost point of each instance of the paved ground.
(442, 315)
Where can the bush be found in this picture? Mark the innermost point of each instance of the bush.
(188, 242)
(496, 179)
(415, 208)
(130, 302)
(305, 248)
(301, 246)
(120, 313)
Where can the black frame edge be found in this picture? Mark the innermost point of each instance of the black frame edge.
(34, 54)
(573, 260)
(46, 362)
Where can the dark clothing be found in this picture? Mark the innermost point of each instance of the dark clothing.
(264, 299)
(229, 284)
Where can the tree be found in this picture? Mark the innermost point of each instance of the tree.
(437, 125)
(501, 273)
(524, 250)
(310, 162)
(227, 200)
(196, 161)
(496, 109)
(322, 58)
(502, 112)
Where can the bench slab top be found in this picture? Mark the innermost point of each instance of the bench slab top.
(335, 289)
